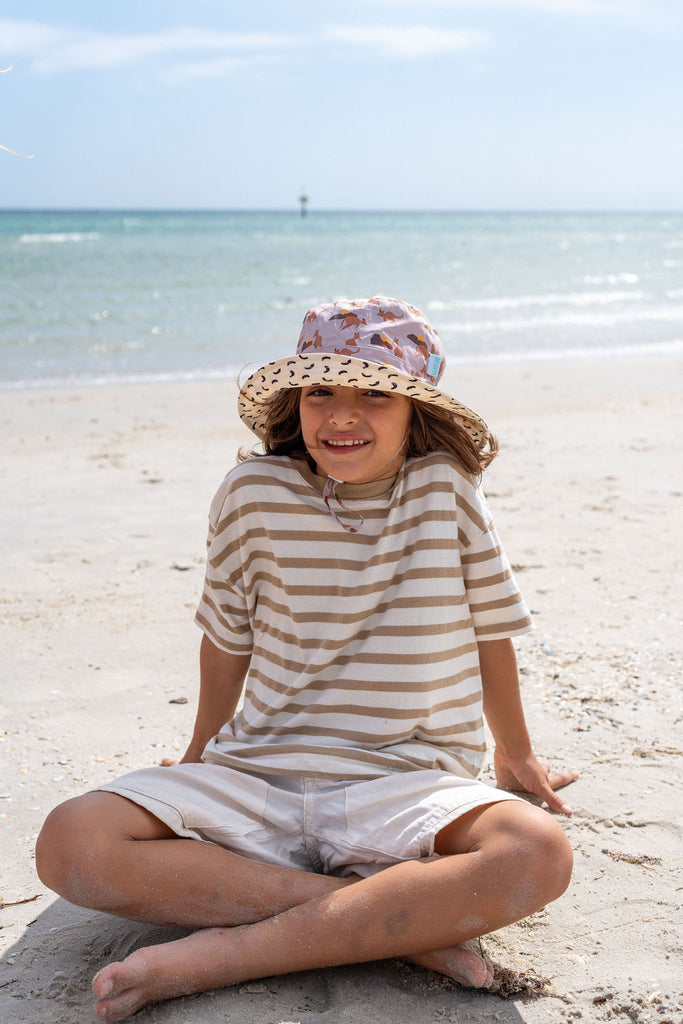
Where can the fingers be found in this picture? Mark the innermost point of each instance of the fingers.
(556, 803)
(555, 781)
(535, 777)
(546, 784)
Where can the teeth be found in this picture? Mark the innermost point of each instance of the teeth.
(344, 444)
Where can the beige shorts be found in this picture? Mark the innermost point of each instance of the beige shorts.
(333, 828)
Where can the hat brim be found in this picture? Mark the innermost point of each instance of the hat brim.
(308, 370)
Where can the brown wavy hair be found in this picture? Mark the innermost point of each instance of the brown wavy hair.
(431, 429)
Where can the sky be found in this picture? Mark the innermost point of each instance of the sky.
(360, 104)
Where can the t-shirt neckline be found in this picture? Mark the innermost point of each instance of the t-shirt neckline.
(372, 489)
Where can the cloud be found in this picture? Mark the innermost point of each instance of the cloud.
(52, 49)
(177, 54)
(563, 6)
(549, 6)
(178, 73)
(207, 53)
(415, 41)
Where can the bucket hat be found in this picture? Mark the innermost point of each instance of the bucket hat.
(379, 343)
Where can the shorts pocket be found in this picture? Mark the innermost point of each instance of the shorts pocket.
(224, 802)
(382, 820)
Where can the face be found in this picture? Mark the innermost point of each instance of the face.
(353, 435)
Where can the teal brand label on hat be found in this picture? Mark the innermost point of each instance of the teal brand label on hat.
(433, 365)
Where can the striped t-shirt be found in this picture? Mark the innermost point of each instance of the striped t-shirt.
(363, 645)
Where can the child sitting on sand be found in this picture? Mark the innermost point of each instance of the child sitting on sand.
(355, 581)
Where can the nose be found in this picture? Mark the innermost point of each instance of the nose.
(344, 408)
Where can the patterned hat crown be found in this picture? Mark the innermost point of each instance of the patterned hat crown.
(378, 330)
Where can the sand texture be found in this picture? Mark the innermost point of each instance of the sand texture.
(105, 496)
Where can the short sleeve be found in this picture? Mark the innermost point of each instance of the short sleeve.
(497, 607)
(223, 612)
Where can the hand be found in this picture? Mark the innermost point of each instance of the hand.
(193, 755)
(529, 775)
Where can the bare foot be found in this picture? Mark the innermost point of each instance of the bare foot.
(199, 962)
(464, 963)
(209, 959)
(212, 958)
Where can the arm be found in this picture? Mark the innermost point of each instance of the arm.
(221, 681)
(515, 763)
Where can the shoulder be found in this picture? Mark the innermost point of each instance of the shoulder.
(441, 474)
(251, 476)
(259, 469)
(441, 466)
(262, 467)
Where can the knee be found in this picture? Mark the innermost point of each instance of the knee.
(524, 849)
(545, 858)
(60, 844)
(533, 847)
(552, 858)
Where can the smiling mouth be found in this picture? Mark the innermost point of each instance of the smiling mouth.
(345, 444)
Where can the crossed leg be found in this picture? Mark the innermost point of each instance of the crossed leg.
(497, 864)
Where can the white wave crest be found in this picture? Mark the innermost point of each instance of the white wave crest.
(657, 348)
(86, 380)
(657, 314)
(60, 236)
(550, 299)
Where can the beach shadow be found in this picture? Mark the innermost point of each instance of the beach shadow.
(46, 976)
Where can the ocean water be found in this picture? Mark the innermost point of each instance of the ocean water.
(109, 296)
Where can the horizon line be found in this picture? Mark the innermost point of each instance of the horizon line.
(326, 210)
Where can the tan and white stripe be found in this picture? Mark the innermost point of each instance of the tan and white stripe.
(363, 645)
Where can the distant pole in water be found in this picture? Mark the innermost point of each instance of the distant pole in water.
(303, 199)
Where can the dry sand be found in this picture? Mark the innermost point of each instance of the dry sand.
(105, 498)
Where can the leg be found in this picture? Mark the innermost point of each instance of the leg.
(102, 851)
(498, 864)
(465, 962)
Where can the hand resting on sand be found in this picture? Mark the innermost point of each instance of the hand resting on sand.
(529, 775)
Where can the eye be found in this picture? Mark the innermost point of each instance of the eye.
(375, 394)
(316, 392)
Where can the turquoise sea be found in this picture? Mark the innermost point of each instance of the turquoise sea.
(108, 296)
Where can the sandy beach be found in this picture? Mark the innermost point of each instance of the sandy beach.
(106, 492)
